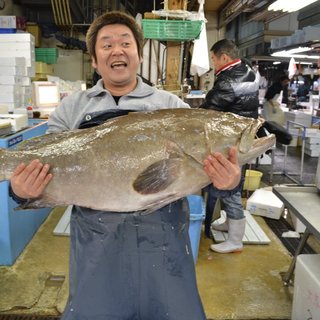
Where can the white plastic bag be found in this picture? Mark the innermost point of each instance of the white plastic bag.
(200, 63)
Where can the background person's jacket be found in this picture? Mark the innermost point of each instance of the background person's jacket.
(236, 90)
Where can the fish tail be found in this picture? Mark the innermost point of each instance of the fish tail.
(4, 175)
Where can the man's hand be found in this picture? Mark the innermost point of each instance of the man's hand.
(29, 181)
(225, 174)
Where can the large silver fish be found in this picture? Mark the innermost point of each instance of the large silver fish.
(141, 161)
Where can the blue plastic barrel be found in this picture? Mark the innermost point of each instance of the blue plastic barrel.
(197, 214)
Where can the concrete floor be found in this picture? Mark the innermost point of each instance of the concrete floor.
(232, 286)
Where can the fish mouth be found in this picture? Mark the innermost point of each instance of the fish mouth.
(258, 147)
(251, 146)
(118, 64)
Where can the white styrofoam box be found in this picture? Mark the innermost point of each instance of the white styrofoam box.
(29, 56)
(311, 33)
(297, 224)
(12, 46)
(8, 22)
(13, 71)
(11, 80)
(313, 140)
(17, 37)
(20, 111)
(312, 132)
(26, 90)
(4, 108)
(297, 37)
(285, 41)
(299, 117)
(18, 121)
(264, 159)
(306, 294)
(13, 61)
(312, 145)
(31, 71)
(312, 153)
(11, 88)
(11, 105)
(10, 97)
(265, 203)
(275, 43)
(25, 81)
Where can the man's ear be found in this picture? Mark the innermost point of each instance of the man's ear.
(93, 63)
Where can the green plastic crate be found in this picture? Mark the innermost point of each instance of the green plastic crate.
(47, 55)
(171, 30)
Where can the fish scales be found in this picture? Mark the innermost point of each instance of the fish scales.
(140, 161)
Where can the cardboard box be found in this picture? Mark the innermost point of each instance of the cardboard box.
(306, 295)
(8, 22)
(35, 30)
(265, 203)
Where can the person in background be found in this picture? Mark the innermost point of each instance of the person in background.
(125, 265)
(271, 108)
(235, 89)
(303, 90)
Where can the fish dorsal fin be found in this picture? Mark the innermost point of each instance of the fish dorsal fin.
(161, 174)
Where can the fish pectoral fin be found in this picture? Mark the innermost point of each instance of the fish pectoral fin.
(158, 176)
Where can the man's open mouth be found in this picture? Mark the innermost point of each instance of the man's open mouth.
(118, 64)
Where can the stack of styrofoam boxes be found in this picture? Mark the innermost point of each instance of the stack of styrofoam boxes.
(311, 33)
(297, 37)
(306, 295)
(17, 66)
(300, 118)
(312, 143)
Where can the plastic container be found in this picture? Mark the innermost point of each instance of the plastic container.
(47, 55)
(197, 214)
(171, 30)
(252, 180)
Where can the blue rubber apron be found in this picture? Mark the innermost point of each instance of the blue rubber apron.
(126, 266)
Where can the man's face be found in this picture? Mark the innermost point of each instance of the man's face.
(117, 56)
(219, 62)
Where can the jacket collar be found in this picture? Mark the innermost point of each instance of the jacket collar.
(140, 90)
(228, 66)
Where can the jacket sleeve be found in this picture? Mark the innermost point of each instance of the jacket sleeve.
(14, 197)
(220, 96)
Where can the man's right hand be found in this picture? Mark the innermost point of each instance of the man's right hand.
(29, 181)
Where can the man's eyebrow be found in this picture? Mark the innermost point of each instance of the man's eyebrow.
(123, 35)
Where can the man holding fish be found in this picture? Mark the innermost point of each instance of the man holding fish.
(124, 265)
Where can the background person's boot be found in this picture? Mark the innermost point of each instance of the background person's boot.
(220, 226)
(235, 236)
